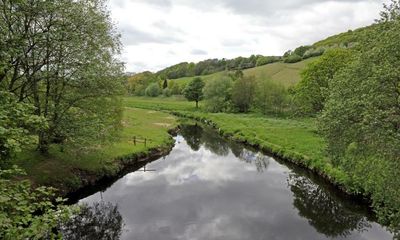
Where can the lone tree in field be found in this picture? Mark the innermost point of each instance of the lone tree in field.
(194, 91)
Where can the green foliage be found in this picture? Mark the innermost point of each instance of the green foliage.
(153, 90)
(314, 52)
(243, 93)
(312, 90)
(270, 97)
(18, 124)
(361, 120)
(138, 83)
(27, 213)
(300, 51)
(218, 94)
(263, 60)
(391, 11)
(65, 66)
(293, 58)
(194, 90)
(166, 92)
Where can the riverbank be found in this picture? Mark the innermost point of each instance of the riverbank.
(69, 171)
(294, 140)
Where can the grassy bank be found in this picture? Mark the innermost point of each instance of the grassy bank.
(64, 169)
(292, 139)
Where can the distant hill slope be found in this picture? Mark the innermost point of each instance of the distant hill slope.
(347, 38)
(288, 74)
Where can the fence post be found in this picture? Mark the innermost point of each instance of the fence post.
(145, 142)
(134, 140)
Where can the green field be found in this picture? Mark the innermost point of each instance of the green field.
(287, 74)
(59, 168)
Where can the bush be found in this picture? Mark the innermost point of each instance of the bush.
(218, 94)
(293, 59)
(20, 204)
(266, 60)
(153, 90)
(167, 92)
(270, 97)
(314, 52)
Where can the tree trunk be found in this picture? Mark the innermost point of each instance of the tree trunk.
(197, 104)
(43, 145)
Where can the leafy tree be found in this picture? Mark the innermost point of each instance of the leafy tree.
(300, 51)
(63, 63)
(391, 11)
(270, 97)
(153, 90)
(175, 89)
(294, 58)
(262, 60)
(194, 90)
(165, 83)
(137, 83)
(167, 92)
(313, 89)
(243, 93)
(361, 120)
(238, 74)
(218, 94)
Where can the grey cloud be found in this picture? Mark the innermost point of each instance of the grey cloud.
(266, 7)
(198, 52)
(158, 3)
(133, 36)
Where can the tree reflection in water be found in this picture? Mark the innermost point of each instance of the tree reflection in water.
(192, 134)
(196, 136)
(258, 159)
(98, 221)
(328, 214)
(214, 142)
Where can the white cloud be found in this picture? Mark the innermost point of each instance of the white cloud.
(160, 33)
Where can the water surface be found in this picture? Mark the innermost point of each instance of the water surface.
(209, 188)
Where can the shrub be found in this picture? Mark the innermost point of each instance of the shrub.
(294, 58)
(153, 90)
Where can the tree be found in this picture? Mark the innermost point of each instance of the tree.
(60, 56)
(313, 88)
(194, 90)
(293, 58)
(270, 97)
(361, 120)
(391, 11)
(153, 90)
(243, 93)
(217, 94)
(165, 83)
(300, 51)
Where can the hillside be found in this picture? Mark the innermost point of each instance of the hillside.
(347, 38)
(287, 74)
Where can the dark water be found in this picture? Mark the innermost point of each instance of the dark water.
(208, 188)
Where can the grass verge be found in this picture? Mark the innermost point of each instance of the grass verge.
(68, 170)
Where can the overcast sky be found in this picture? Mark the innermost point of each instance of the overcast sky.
(160, 33)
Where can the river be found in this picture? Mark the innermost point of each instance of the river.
(211, 188)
